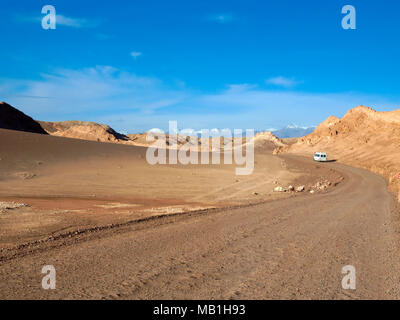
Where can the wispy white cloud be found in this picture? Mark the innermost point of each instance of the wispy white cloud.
(61, 20)
(98, 90)
(131, 103)
(221, 18)
(73, 22)
(283, 82)
(135, 54)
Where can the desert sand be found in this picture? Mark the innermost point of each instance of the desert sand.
(98, 211)
(292, 248)
(70, 184)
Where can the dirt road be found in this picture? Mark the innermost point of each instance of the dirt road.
(293, 248)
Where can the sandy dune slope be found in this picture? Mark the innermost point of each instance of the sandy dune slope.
(69, 183)
(362, 138)
(50, 184)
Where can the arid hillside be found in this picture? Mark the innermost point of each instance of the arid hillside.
(84, 130)
(13, 119)
(267, 140)
(263, 141)
(362, 138)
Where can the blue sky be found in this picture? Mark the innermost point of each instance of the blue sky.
(227, 64)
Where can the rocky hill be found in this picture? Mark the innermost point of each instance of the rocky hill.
(363, 138)
(84, 130)
(13, 119)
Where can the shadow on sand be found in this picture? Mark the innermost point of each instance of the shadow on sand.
(333, 160)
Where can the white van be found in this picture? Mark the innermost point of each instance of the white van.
(320, 156)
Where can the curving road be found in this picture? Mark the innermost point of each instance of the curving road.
(291, 249)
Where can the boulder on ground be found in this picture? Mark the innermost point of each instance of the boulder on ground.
(279, 189)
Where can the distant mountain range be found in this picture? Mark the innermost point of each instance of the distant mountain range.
(11, 118)
(290, 131)
(293, 131)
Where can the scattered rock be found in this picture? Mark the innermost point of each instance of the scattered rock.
(312, 191)
(322, 185)
(291, 188)
(255, 193)
(4, 206)
(25, 175)
(300, 189)
(279, 189)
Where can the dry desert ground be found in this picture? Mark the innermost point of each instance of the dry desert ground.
(116, 227)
